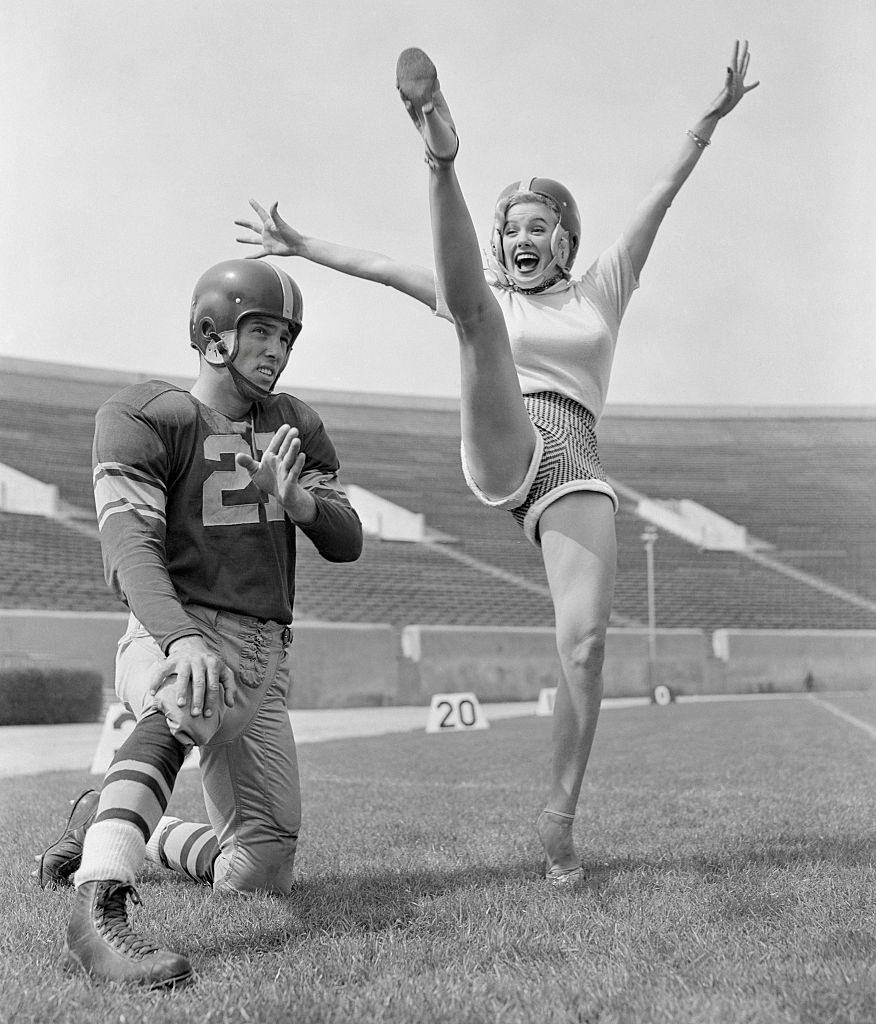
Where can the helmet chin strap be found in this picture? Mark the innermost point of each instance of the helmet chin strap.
(546, 279)
(245, 388)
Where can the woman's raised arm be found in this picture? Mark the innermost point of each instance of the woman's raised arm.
(640, 232)
(277, 238)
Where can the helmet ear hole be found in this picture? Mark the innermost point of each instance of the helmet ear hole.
(212, 346)
(563, 252)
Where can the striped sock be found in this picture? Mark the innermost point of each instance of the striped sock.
(184, 846)
(134, 796)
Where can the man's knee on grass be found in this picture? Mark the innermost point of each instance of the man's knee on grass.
(265, 865)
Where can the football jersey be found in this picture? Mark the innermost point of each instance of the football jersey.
(180, 523)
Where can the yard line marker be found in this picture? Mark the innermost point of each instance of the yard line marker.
(845, 716)
(453, 711)
(547, 697)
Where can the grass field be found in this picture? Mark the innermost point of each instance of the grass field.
(729, 849)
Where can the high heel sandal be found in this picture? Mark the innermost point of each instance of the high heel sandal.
(416, 79)
(557, 875)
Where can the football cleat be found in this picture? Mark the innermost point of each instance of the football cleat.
(62, 858)
(101, 943)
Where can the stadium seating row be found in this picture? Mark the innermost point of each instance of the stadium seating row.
(799, 483)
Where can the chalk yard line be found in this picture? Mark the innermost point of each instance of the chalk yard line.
(845, 716)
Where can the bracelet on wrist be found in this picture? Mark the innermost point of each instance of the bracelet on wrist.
(697, 141)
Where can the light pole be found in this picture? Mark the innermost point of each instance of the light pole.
(650, 538)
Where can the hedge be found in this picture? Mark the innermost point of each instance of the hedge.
(44, 695)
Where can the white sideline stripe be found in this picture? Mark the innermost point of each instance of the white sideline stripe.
(32, 749)
(706, 698)
(845, 716)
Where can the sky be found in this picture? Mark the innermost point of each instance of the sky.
(134, 133)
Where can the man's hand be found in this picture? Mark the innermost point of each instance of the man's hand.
(278, 471)
(274, 235)
(196, 666)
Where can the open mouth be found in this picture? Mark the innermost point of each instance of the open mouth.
(526, 262)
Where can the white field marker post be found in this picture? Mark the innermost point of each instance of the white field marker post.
(116, 727)
(451, 712)
(546, 698)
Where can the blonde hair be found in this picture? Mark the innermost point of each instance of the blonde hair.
(531, 197)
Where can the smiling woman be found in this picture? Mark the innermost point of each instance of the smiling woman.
(526, 240)
(536, 348)
(548, 210)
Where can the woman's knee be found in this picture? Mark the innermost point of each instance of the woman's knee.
(582, 650)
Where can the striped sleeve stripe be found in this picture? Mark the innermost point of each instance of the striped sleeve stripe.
(122, 469)
(126, 506)
(120, 489)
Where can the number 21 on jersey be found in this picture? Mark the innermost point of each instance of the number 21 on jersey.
(226, 481)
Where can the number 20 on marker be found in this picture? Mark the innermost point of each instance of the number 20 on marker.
(454, 711)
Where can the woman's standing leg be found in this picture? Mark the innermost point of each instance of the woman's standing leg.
(497, 432)
(580, 556)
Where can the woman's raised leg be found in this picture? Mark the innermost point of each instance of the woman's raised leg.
(497, 432)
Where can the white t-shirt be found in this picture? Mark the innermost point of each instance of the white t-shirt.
(563, 339)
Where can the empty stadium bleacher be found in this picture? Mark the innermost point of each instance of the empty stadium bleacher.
(802, 483)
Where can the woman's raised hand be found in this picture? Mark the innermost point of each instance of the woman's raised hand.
(273, 234)
(734, 85)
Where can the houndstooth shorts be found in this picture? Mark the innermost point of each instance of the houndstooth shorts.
(565, 459)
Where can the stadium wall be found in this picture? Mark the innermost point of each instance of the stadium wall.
(67, 639)
(333, 664)
(359, 665)
(509, 663)
(768, 660)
